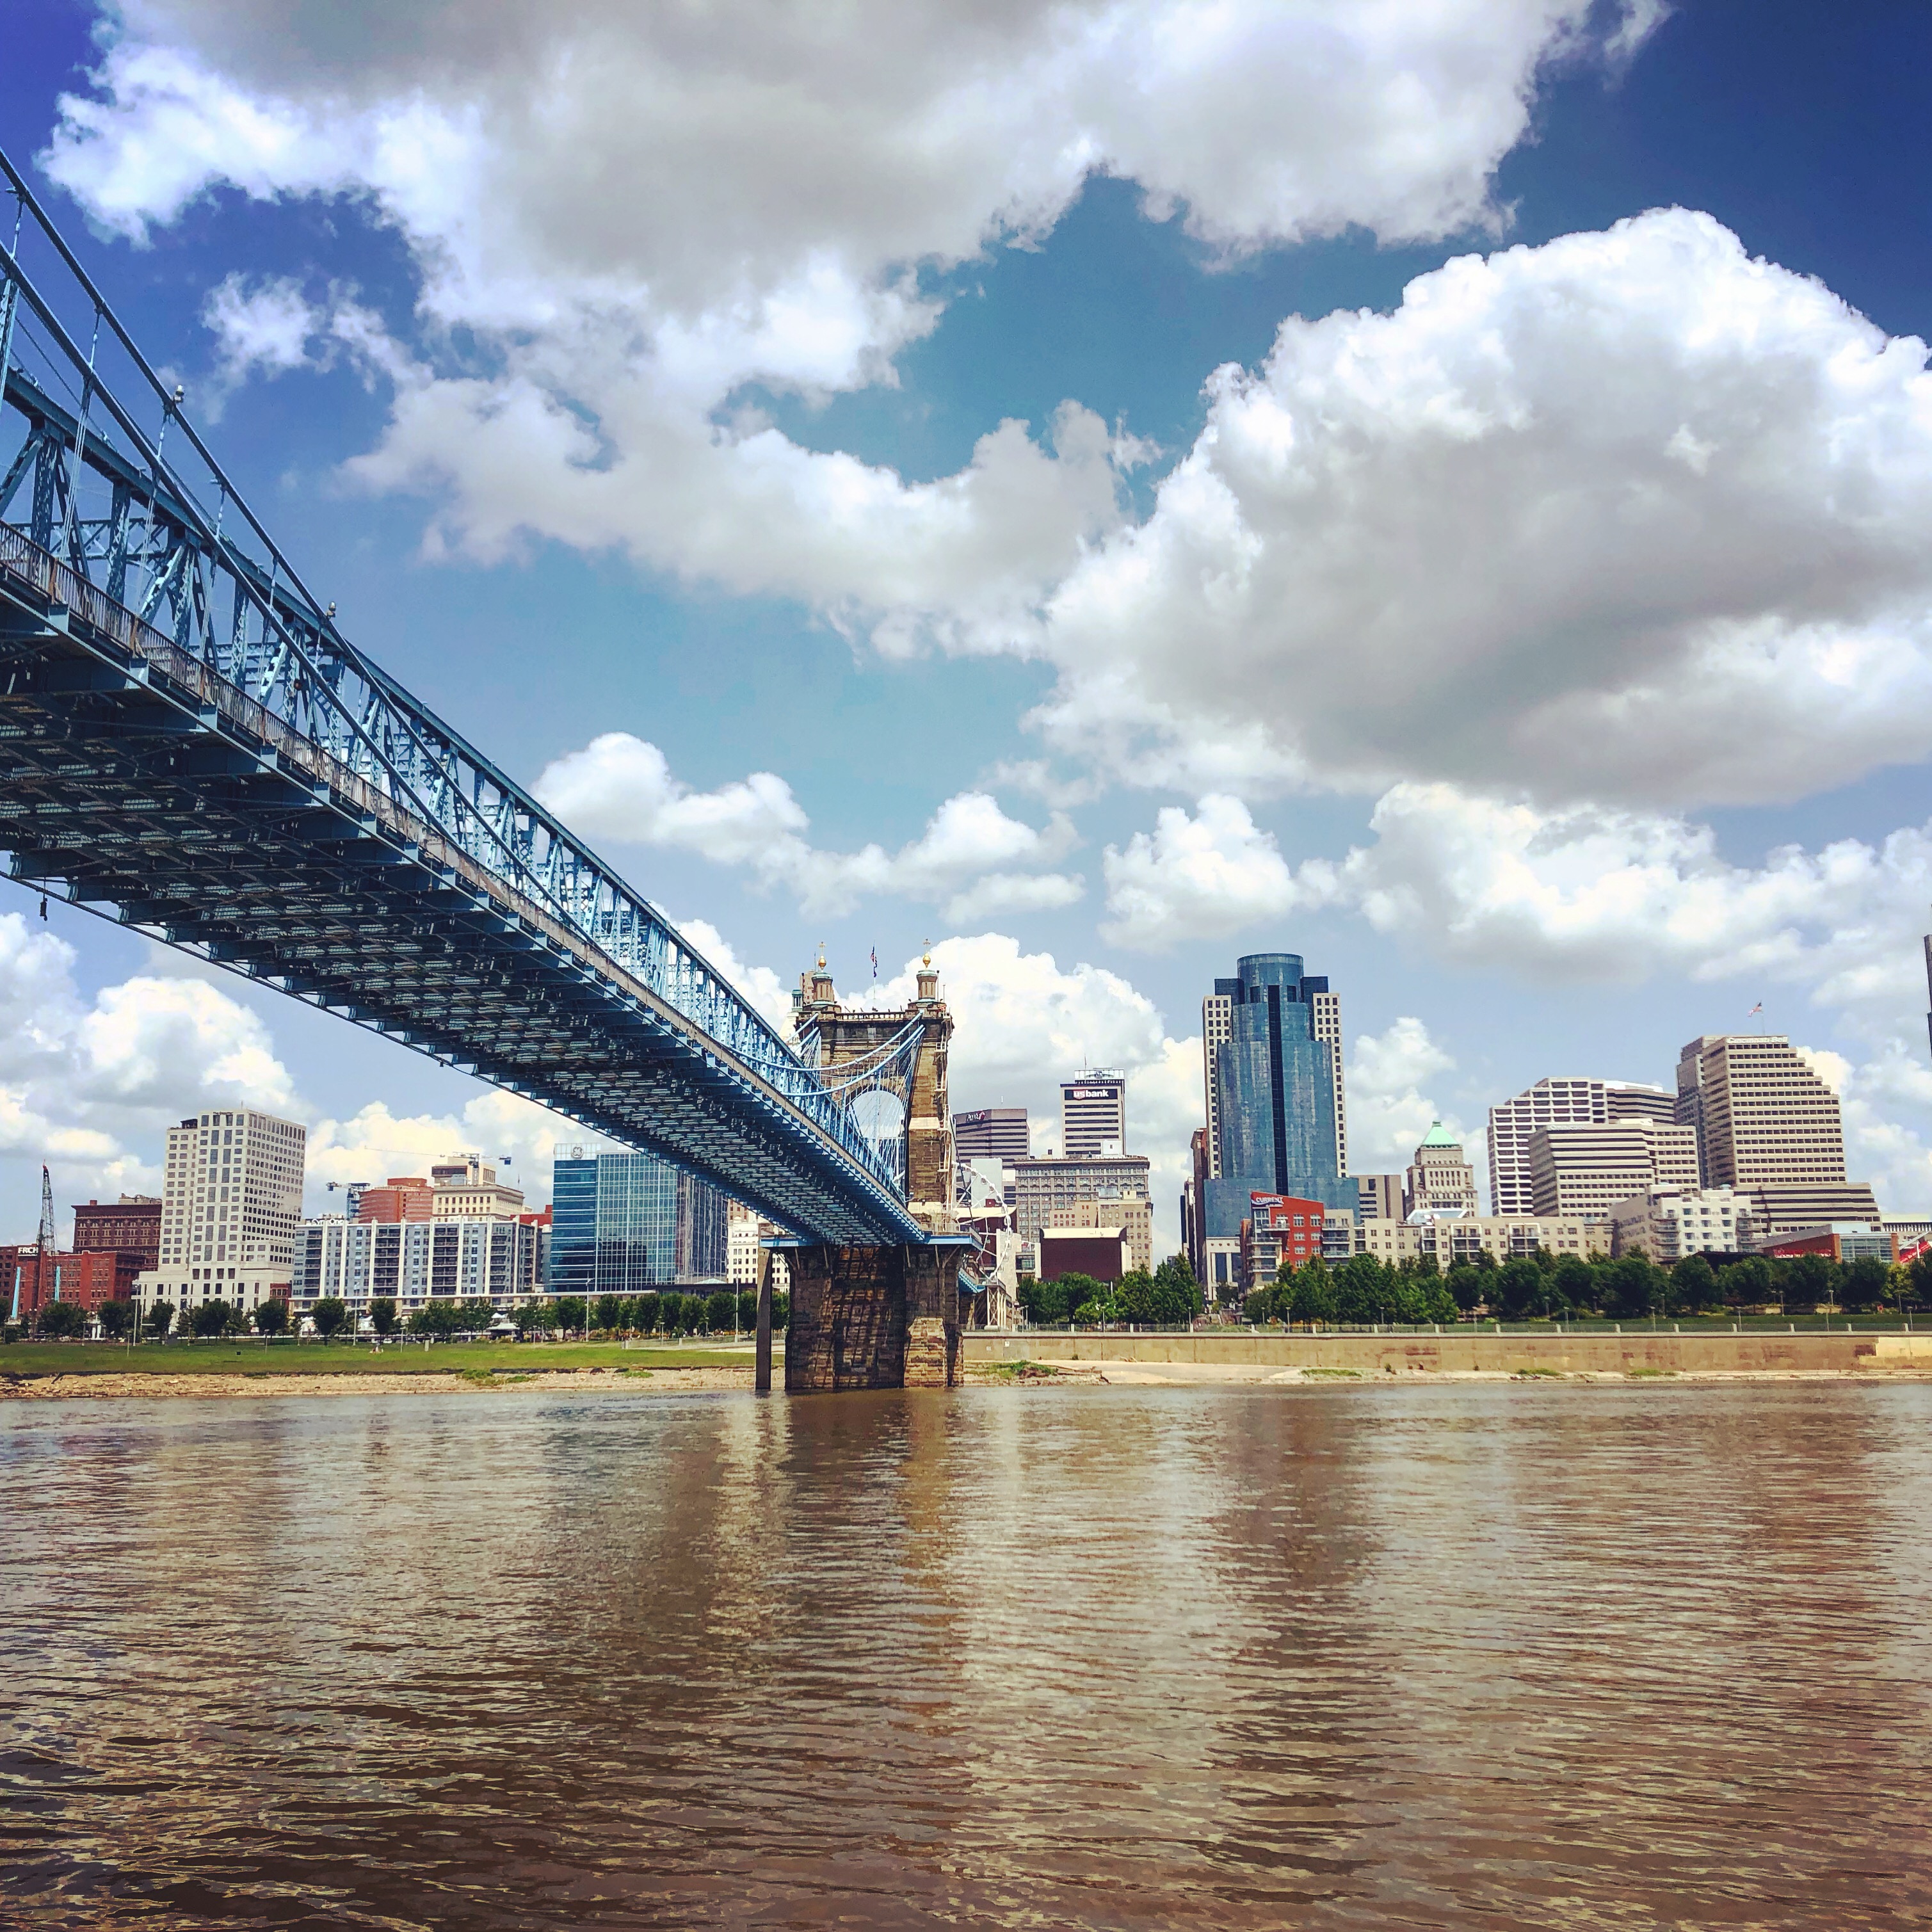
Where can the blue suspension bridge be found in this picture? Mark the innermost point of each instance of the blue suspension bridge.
(190, 746)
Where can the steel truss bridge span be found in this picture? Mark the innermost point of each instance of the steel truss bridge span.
(188, 744)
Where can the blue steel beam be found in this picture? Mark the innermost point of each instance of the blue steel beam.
(189, 742)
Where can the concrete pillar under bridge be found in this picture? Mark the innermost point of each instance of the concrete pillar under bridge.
(887, 1317)
(874, 1318)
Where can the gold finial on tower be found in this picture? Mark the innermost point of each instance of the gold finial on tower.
(821, 956)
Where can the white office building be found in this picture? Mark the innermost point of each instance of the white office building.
(1556, 1102)
(1667, 1223)
(1581, 1168)
(745, 1230)
(1093, 1113)
(490, 1264)
(231, 1203)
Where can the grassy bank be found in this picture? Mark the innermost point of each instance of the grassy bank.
(27, 1359)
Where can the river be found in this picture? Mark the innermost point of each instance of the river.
(1491, 1655)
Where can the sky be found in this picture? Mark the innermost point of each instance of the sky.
(1436, 486)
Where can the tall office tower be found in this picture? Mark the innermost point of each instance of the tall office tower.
(1093, 1113)
(1439, 1181)
(1762, 1117)
(1588, 1168)
(1550, 1102)
(1193, 1193)
(624, 1222)
(1689, 1093)
(1274, 1092)
(1217, 1025)
(992, 1133)
(231, 1202)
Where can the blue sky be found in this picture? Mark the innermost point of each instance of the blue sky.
(1543, 651)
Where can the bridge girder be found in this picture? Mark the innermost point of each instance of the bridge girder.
(149, 798)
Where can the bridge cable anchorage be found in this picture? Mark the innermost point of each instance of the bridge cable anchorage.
(193, 747)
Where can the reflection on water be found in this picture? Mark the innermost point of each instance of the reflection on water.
(1469, 1656)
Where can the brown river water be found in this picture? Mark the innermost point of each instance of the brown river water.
(1483, 1655)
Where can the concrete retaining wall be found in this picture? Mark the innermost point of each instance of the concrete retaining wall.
(1472, 1350)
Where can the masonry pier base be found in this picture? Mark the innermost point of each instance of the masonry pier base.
(873, 1318)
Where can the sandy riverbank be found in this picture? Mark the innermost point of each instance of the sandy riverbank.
(1039, 1372)
(217, 1387)
(1181, 1375)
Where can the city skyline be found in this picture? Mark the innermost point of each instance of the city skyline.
(1500, 910)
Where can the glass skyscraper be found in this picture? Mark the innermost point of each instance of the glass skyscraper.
(1274, 1093)
(622, 1223)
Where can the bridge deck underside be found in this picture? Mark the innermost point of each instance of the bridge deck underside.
(140, 799)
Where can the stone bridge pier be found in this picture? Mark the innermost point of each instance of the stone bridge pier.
(883, 1317)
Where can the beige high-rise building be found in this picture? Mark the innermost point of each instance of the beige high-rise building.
(1558, 1102)
(462, 1189)
(1641, 1103)
(1325, 1016)
(1588, 1168)
(1439, 1180)
(1217, 1024)
(231, 1203)
(1378, 1197)
(1762, 1117)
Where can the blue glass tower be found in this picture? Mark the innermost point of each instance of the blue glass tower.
(1275, 1086)
(622, 1223)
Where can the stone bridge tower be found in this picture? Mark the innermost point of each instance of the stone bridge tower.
(883, 1317)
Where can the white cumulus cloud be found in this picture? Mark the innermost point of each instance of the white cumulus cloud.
(1388, 1077)
(640, 213)
(89, 1086)
(513, 1135)
(1630, 516)
(970, 860)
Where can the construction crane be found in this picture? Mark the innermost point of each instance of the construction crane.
(44, 1251)
(46, 1268)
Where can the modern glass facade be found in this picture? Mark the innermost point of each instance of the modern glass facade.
(625, 1222)
(1275, 1095)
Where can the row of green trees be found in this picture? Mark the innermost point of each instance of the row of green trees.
(667, 1311)
(1365, 1290)
(658, 1311)
(1169, 1297)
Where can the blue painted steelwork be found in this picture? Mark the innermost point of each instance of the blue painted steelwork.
(187, 738)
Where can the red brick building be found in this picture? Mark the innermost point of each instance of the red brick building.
(405, 1198)
(1281, 1234)
(131, 1225)
(87, 1280)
